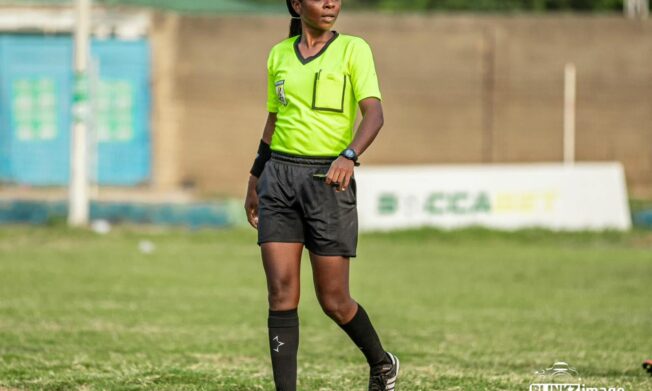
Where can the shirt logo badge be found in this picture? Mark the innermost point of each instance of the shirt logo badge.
(280, 92)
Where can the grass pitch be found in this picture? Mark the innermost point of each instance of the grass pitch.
(466, 310)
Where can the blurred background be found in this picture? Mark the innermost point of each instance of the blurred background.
(177, 92)
(531, 116)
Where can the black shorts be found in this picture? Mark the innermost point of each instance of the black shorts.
(293, 206)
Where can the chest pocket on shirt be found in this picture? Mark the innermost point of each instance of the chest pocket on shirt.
(329, 90)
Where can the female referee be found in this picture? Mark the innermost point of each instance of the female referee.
(302, 191)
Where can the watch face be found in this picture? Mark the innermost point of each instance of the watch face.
(349, 153)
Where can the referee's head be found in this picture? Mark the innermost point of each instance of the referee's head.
(320, 15)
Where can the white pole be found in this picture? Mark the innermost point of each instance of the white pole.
(645, 9)
(629, 8)
(78, 191)
(637, 9)
(570, 82)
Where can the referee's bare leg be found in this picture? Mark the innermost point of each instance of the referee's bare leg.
(282, 263)
(331, 278)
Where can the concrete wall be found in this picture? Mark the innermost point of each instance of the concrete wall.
(457, 89)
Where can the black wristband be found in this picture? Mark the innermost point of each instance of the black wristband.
(264, 154)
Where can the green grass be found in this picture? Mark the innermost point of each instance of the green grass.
(467, 310)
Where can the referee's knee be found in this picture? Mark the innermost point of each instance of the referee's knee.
(337, 308)
(283, 297)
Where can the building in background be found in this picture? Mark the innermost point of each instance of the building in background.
(36, 86)
(180, 98)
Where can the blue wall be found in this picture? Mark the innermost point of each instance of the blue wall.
(36, 87)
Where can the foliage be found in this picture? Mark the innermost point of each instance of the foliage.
(278, 6)
(482, 5)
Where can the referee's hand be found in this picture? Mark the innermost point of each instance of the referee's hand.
(340, 173)
(251, 202)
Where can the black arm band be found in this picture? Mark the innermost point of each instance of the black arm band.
(264, 154)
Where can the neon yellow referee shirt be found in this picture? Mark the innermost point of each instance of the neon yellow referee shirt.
(316, 98)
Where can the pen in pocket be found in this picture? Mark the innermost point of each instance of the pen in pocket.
(322, 177)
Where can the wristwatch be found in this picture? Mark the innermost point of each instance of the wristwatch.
(350, 154)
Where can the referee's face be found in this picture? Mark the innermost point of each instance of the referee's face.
(318, 14)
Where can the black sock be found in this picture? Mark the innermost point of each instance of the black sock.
(283, 346)
(364, 336)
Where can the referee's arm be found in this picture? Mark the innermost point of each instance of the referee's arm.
(269, 128)
(251, 200)
(372, 121)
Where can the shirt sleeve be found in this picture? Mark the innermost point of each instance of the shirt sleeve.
(363, 72)
(272, 99)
